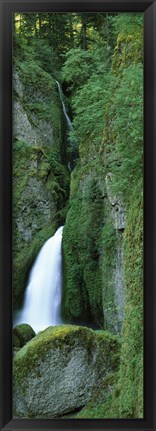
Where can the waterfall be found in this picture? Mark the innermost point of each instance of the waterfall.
(42, 304)
(63, 106)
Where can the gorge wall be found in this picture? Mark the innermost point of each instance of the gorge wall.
(92, 246)
(103, 234)
(40, 178)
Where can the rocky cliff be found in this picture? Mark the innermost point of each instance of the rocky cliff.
(40, 178)
(92, 245)
(103, 234)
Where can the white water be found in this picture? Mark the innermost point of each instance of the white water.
(42, 305)
(63, 106)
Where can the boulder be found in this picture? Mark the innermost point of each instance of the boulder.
(15, 341)
(58, 370)
(23, 333)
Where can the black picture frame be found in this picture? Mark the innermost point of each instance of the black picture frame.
(148, 7)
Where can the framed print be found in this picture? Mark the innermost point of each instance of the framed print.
(78, 215)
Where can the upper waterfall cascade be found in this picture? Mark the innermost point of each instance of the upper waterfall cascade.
(63, 106)
(42, 304)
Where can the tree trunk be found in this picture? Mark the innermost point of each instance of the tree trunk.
(40, 25)
(84, 31)
(71, 31)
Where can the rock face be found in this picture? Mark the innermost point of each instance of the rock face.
(36, 110)
(40, 180)
(34, 205)
(118, 212)
(23, 130)
(119, 217)
(82, 300)
(93, 246)
(57, 371)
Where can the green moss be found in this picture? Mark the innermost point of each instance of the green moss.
(127, 397)
(123, 155)
(89, 248)
(24, 333)
(41, 102)
(100, 411)
(82, 300)
(99, 407)
(32, 167)
(109, 247)
(34, 76)
(15, 341)
(65, 336)
(131, 371)
(128, 49)
(44, 168)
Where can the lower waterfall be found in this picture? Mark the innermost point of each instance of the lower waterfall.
(42, 304)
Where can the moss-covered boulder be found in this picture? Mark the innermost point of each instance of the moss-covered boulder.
(15, 341)
(58, 370)
(23, 333)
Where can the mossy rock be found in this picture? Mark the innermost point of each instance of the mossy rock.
(82, 295)
(40, 192)
(37, 106)
(23, 333)
(58, 370)
(15, 341)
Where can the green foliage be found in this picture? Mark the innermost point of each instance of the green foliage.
(126, 132)
(46, 37)
(81, 65)
(127, 23)
(87, 76)
(88, 107)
